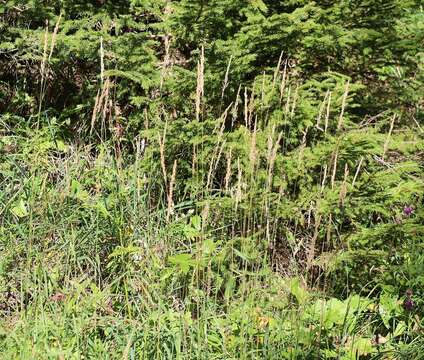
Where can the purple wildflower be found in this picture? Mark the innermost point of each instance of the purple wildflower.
(408, 303)
(408, 210)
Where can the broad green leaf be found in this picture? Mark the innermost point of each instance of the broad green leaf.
(78, 191)
(183, 261)
(196, 222)
(20, 209)
(298, 291)
(121, 251)
(361, 347)
(400, 329)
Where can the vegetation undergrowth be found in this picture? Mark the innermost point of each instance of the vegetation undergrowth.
(185, 180)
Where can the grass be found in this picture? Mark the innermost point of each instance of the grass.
(194, 241)
(94, 265)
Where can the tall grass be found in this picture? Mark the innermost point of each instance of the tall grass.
(151, 257)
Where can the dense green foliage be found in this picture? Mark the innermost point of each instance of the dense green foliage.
(211, 179)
